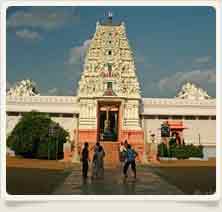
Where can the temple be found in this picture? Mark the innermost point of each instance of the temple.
(109, 107)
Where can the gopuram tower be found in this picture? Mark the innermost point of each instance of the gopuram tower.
(109, 92)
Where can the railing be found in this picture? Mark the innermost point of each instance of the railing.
(41, 99)
(145, 101)
(174, 101)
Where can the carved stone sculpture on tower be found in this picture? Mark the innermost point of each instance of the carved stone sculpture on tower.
(109, 56)
(24, 88)
(191, 91)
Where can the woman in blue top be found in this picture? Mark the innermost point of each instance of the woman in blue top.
(130, 161)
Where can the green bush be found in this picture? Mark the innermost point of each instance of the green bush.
(186, 151)
(30, 137)
(180, 151)
(162, 150)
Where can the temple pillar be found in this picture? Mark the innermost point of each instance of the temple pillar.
(76, 156)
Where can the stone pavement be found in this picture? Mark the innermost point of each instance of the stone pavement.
(147, 183)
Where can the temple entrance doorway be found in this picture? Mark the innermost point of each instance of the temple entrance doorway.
(108, 122)
(108, 129)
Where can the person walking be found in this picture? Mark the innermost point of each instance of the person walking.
(131, 155)
(98, 161)
(125, 144)
(122, 151)
(85, 159)
(96, 147)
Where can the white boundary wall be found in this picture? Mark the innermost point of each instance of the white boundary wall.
(197, 115)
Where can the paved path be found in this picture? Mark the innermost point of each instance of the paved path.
(147, 183)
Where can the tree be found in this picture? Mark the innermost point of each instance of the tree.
(31, 137)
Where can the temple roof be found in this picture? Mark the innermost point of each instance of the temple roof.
(109, 24)
(109, 57)
(109, 21)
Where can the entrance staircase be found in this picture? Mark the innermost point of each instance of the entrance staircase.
(112, 153)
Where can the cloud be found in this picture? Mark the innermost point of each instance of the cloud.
(202, 60)
(53, 91)
(58, 91)
(77, 54)
(143, 61)
(173, 82)
(27, 34)
(42, 17)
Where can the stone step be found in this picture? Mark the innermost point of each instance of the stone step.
(112, 152)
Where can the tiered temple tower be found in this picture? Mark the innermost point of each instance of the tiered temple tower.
(109, 91)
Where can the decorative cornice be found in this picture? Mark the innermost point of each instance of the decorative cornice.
(41, 99)
(47, 104)
(74, 100)
(69, 104)
(180, 107)
(178, 102)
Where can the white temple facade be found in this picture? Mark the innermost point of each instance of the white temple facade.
(108, 106)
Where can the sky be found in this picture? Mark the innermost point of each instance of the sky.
(171, 45)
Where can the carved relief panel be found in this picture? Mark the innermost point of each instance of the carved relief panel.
(99, 60)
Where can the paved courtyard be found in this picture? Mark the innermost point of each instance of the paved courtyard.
(113, 184)
(30, 177)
